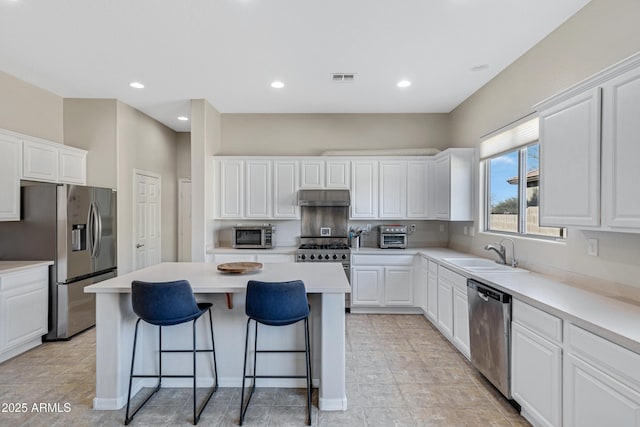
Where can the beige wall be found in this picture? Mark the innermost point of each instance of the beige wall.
(311, 134)
(183, 147)
(27, 109)
(205, 142)
(138, 136)
(601, 34)
(91, 124)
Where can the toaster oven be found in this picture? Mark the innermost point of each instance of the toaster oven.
(393, 236)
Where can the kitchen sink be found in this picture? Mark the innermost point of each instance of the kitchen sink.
(482, 265)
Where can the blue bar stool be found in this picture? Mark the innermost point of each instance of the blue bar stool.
(167, 304)
(275, 304)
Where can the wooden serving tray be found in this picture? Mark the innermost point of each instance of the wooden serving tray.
(239, 267)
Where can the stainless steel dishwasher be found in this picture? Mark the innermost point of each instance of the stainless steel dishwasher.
(490, 334)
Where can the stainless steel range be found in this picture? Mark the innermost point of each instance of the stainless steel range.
(324, 216)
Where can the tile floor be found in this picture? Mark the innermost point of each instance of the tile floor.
(400, 372)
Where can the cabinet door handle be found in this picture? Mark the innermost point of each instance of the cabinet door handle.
(139, 246)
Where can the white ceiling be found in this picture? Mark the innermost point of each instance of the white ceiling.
(229, 51)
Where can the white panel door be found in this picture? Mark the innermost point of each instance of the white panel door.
(432, 296)
(594, 399)
(39, 161)
(146, 214)
(393, 189)
(570, 162)
(364, 189)
(258, 189)
(338, 173)
(398, 286)
(621, 151)
(367, 286)
(285, 189)
(536, 375)
(10, 166)
(445, 307)
(72, 167)
(440, 187)
(417, 189)
(231, 190)
(461, 321)
(311, 174)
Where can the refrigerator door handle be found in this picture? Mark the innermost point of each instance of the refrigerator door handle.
(93, 230)
(90, 230)
(98, 217)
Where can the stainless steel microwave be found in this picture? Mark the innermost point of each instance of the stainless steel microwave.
(253, 236)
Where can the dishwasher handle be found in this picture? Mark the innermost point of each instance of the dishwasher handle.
(486, 292)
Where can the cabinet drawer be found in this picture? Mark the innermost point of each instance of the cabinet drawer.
(379, 260)
(543, 323)
(20, 279)
(618, 361)
(457, 280)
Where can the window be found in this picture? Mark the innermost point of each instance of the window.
(510, 159)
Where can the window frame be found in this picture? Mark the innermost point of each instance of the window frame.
(485, 170)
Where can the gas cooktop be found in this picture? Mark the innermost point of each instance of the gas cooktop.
(330, 246)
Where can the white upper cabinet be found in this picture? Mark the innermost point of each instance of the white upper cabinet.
(364, 189)
(451, 185)
(621, 151)
(393, 189)
(594, 118)
(285, 189)
(312, 174)
(230, 187)
(570, 161)
(338, 174)
(10, 165)
(72, 165)
(39, 161)
(320, 173)
(258, 189)
(417, 189)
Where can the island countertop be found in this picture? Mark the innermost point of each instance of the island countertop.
(206, 278)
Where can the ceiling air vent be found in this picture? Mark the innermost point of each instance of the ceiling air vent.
(343, 77)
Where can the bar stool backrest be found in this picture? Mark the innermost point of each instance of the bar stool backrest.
(276, 303)
(164, 303)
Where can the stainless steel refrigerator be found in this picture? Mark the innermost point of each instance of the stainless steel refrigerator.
(75, 226)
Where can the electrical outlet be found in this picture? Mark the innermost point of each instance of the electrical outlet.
(466, 230)
(472, 231)
(412, 228)
(592, 247)
(442, 228)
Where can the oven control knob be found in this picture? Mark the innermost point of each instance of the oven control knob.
(326, 257)
(335, 256)
(344, 256)
(313, 257)
(303, 256)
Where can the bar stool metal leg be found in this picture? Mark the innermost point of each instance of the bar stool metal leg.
(308, 358)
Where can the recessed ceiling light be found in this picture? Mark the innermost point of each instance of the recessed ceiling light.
(136, 85)
(183, 118)
(277, 84)
(404, 83)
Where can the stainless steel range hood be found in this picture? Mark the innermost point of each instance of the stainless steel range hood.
(324, 198)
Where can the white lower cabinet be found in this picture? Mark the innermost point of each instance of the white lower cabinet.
(23, 310)
(453, 308)
(253, 257)
(432, 292)
(461, 321)
(382, 281)
(445, 307)
(10, 166)
(601, 382)
(367, 286)
(536, 364)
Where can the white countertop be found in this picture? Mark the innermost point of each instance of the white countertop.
(14, 266)
(276, 250)
(615, 319)
(205, 278)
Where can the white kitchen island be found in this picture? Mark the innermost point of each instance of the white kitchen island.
(326, 285)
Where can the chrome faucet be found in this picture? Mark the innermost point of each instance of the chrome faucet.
(502, 252)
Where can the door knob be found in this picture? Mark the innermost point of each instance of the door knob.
(139, 246)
